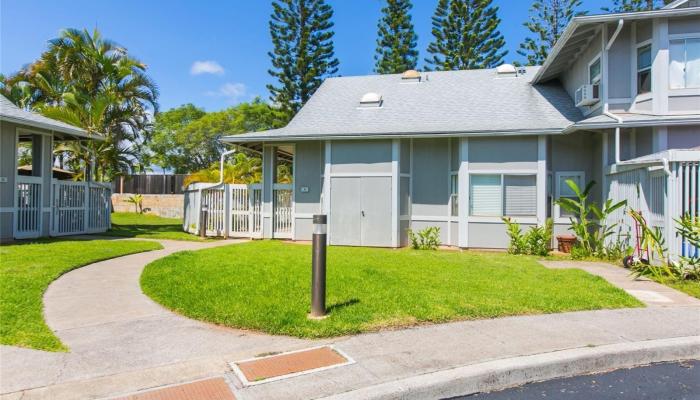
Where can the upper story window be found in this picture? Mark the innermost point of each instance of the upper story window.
(644, 69)
(594, 72)
(684, 68)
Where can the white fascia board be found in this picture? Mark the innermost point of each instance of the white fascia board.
(422, 135)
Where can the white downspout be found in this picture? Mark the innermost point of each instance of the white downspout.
(617, 133)
(620, 24)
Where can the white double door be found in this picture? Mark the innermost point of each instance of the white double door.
(360, 212)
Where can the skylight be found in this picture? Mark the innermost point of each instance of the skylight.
(371, 99)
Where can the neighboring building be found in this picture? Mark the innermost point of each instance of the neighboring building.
(33, 202)
(461, 149)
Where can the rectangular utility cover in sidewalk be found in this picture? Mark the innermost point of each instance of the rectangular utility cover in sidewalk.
(280, 366)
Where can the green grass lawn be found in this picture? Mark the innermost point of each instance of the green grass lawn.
(147, 226)
(27, 269)
(265, 285)
(691, 288)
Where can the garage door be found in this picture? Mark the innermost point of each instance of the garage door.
(361, 211)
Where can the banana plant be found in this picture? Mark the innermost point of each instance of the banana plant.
(589, 221)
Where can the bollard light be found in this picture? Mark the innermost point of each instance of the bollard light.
(203, 221)
(318, 267)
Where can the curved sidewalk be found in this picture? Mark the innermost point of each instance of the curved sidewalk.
(121, 342)
(111, 328)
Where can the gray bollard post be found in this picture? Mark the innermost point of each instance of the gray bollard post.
(203, 221)
(318, 268)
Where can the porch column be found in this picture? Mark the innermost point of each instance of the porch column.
(269, 175)
(463, 193)
(541, 180)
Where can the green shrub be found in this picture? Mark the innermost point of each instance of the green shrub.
(536, 241)
(426, 239)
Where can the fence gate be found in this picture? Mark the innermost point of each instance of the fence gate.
(28, 215)
(69, 208)
(282, 210)
(246, 206)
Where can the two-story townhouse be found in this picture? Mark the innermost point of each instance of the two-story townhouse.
(382, 154)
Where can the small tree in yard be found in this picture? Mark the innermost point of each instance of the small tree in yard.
(589, 223)
(137, 201)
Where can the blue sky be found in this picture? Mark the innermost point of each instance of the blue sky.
(171, 36)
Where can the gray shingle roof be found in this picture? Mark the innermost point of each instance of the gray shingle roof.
(450, 102)
(10, 112)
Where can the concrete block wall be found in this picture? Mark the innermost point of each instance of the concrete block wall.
(163, 205)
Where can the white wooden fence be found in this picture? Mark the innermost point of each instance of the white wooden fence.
(235, 210)
(80, 207)
(76, 208)
(661, 195)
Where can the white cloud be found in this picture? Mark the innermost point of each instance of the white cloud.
(233, 91)
(206, 67)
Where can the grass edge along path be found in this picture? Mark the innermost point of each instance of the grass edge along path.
(264, 286)
(149, 226)
(26, 271)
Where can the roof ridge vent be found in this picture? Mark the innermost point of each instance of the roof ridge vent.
(371, 100)
(410, 75)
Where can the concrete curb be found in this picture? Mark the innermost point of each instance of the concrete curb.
(511, 372)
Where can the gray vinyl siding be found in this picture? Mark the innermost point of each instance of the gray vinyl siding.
(309, 168)
(681, 26)
(369, 156)
(487, 235)
(620, 63)
(683, 137)
(644, 31)
(577, 74)
(503, 153)
(7, 170)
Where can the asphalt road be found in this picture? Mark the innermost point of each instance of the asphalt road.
(672, 381)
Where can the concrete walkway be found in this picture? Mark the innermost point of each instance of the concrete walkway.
(121, 342)
(649, 292)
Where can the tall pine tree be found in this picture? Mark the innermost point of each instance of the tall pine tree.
(636, 5)
(465, 36)
(302, 54)
(548, 19)
(396, 39)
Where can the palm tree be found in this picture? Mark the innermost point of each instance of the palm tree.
(91, 82)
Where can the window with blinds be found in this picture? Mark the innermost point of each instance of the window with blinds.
(485, 197)
(503, 195)
(520, 195)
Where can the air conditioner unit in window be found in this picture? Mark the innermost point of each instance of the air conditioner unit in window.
(587, 95)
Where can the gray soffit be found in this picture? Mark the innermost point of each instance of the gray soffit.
(581, 30)
(449, 103)
(633, 121)
(10, 112)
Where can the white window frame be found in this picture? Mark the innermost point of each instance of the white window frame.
(596, 79)
(557, 192)
(497, 218)
(682, 37)
(637, 70)
(454, 194)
